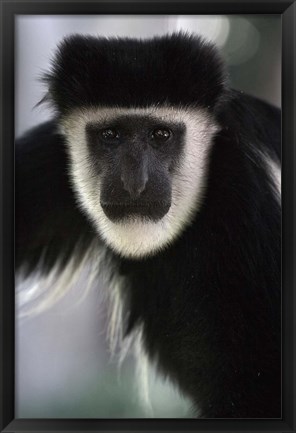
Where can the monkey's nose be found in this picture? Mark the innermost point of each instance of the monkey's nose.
(134, 189)
(134, 186)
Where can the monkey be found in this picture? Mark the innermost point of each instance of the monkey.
(153, 162)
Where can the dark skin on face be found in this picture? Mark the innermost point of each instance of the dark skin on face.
(135, 158)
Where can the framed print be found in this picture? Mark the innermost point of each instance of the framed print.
(147, 220)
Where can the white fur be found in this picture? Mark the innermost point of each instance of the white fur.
(135, 237)
(274, 171)
(120, 347)
(142, 368)
(38, 293)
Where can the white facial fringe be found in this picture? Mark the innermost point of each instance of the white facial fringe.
(135, 237)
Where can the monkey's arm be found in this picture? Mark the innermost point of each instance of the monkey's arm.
(49, 224)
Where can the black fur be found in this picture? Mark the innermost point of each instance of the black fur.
(90, 71)
(210, 304)
(49, 225)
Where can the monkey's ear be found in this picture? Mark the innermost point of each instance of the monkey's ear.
(50, 228)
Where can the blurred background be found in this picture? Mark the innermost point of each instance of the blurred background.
(63, 365)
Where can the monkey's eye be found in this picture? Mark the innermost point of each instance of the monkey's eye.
(161, 135)
(109, 134)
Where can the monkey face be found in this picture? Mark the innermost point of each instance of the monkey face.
(139, 173)
(135, 158)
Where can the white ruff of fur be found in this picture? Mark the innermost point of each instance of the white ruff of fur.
(137, 237)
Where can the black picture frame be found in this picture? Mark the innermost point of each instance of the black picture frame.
(9, 9)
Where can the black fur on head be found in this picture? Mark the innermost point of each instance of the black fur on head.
(177, 69)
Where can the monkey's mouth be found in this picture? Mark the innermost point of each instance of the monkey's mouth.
(154, 211)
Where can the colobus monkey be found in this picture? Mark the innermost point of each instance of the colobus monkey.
(152, 159)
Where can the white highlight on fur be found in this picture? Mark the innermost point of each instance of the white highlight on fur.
(135, 237)
(142, 369)
(274, 171)
(115, 317)
(272, 168)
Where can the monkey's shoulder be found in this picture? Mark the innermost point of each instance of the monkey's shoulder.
(253, 120)
(49, 222)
